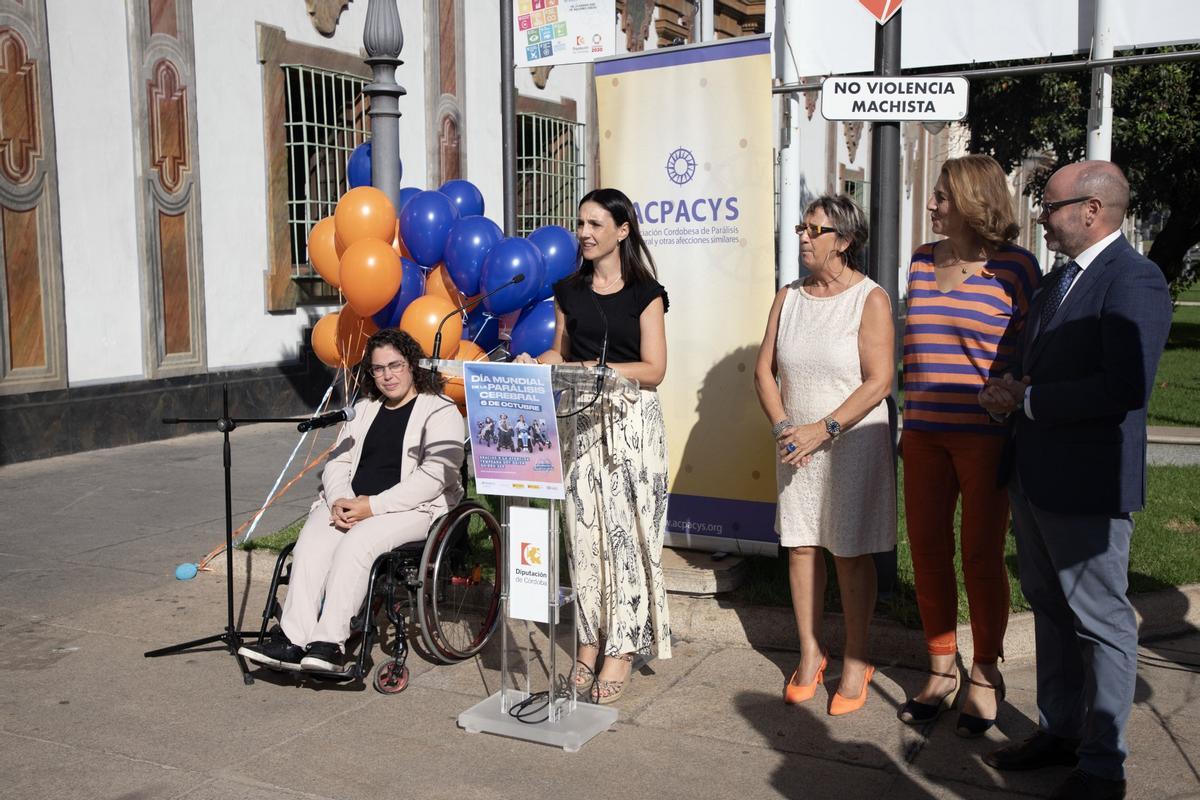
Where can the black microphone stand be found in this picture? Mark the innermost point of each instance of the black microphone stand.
(231, 637)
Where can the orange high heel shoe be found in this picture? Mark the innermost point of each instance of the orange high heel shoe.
(841, 704)
(795, 693)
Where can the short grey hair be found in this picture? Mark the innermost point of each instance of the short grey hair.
(849, 221)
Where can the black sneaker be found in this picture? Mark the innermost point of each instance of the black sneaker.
(276, 652)
(324, 657)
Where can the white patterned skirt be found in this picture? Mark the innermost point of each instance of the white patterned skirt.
(616, 514)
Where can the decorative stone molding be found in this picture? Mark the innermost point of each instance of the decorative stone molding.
(163, 75)
(635, 22)
(326, 13)
(32, 321)
(852, 131)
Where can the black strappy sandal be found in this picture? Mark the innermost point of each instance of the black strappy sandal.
(970, 726)
(914, 712)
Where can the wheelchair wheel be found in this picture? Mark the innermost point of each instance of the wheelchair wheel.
(459, 600)
(390, 677)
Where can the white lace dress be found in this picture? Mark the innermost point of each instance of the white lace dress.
(845, 499)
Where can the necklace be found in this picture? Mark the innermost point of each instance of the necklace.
(956, 261)
(602, 289)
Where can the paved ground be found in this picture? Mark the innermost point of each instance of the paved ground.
(86, 561)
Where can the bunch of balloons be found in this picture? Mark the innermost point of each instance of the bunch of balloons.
(414, 268)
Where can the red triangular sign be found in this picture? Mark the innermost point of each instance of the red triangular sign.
(882, 10)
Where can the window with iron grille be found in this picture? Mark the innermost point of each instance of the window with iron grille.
(860, 192)
(326, 118)
(550, 172)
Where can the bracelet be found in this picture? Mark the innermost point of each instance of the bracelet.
(780, 427)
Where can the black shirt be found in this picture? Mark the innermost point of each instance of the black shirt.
(383, 451)
(622, 310)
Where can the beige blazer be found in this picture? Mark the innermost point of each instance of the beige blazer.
(433, 456)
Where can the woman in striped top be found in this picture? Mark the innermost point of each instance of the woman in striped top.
(967, 298)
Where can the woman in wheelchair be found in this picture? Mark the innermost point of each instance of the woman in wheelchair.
(394, 469)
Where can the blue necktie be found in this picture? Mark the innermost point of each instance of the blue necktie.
(1055, 292)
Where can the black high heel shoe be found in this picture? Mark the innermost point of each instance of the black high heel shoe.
(970, 726)
(914, 712)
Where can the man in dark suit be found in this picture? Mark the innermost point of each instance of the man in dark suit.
(1077, 471)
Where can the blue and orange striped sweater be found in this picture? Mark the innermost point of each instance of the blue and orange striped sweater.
(954, 341)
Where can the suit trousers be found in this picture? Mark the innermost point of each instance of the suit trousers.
(938, 468)
(330, 570)
(1074, 572)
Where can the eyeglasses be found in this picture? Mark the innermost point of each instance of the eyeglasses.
(396, 367)
(1054, 205)
(813, 230)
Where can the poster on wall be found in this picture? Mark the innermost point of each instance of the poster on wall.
(548, 32)
(514, 430)
(686, 132)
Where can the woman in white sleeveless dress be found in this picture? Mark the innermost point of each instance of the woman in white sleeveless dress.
(824, 369)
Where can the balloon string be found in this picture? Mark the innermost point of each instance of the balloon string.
(272, 496)
(254, 523)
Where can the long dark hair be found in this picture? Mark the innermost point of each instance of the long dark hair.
(637, 265)
(425, 381)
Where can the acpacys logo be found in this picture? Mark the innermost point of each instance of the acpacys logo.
(681, 166)
(531, 555)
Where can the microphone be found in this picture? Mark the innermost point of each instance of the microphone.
(326, 419)
(437, 337)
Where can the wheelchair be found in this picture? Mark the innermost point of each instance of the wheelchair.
(450, 584)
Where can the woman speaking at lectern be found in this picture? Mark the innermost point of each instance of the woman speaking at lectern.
(616, 479)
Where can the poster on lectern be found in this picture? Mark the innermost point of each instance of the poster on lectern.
(514, 430)
(548, 32)
(686, 132)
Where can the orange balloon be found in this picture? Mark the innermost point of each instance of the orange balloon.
(398, 244)
(421, 320)
(353, 330)
(469, 351)
(371, 275)
(324, 340)
(438, 282)
(364, 213)
(322, 251)
(455, 391)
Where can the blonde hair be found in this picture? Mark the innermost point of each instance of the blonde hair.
(979, 190)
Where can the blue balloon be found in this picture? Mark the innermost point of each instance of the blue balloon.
(560, 252)
(507, 259)
(482, 328)
(467, 244)
(185, 572)
(534, 331)
(407, 193)
(425, 222)
(466, 196)
(358, 168)
(412, 286)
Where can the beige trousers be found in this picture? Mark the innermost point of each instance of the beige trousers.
(330, 570)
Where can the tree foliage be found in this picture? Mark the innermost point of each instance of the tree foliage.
(1156, 138)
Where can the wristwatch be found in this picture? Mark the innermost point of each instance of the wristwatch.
(832, 427)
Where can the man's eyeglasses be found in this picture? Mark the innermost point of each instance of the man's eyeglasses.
(812, 230)
(396, 367)
(1054, 205)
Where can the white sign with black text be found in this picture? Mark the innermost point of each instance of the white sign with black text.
(529, 563)
(894, 99)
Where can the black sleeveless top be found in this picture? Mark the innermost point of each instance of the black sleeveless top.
(383, 451)
(586, 313)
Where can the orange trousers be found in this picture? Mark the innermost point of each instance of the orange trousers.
(938, 467)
